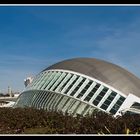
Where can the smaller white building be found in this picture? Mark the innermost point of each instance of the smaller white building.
(27, 81)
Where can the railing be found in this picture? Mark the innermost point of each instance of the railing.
(8, 98)
(137, 107)
(132, 109)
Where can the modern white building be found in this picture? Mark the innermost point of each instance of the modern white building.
(81, 85)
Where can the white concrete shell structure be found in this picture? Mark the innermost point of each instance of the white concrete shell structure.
(81, 85)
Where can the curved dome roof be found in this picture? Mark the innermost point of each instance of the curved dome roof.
(106, 72)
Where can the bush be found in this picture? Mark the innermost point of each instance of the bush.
(33, 121)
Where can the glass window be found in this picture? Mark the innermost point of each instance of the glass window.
(105, 89)
(71, 85)
(113, 111)
(59, 83)
(78, 86)
(108, 101)
(88, 85)
(89, 96)
(67, 80)
(104, 106)
(117, 105)
(85, 89)
(95, 102)
(55, 79)
(95, 88)
(48, 80)
(100, 96)
(122, 99)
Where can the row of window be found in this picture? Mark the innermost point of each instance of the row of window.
(79, 87)
(52, 101)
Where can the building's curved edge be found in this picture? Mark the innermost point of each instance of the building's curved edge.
(107, 72)
(38, 81)
(74, 86)
(58, 102)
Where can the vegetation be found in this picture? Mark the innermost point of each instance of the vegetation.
(33, 121)
(4, 95)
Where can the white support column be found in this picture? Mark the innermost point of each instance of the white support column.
(113, 102)
(48, 100)
(34, 97)
(81, 88)
(36, 100)
(38, 81)
(57, 101)
(88, 108)
(96, 94)
(89, 90)
(65, 108)
(69, 83)
(81, 108)
(74, 107)
(43, 99)
(128, 103)
(45, 80)
(62, 102)
(71, 105)
(63, 82)
(75, 85)
(51, 100)
(42, 80)
(35, 80)
(48, 80)
(53, 80)
(104, 98)
(57, 81)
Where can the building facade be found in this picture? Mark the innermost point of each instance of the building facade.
(81, 85)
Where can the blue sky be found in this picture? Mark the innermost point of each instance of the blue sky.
(35, 37)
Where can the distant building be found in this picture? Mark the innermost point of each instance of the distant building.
(27, 81)
(10, 92)
(8, 100)
(81, 85)
(16, 94)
